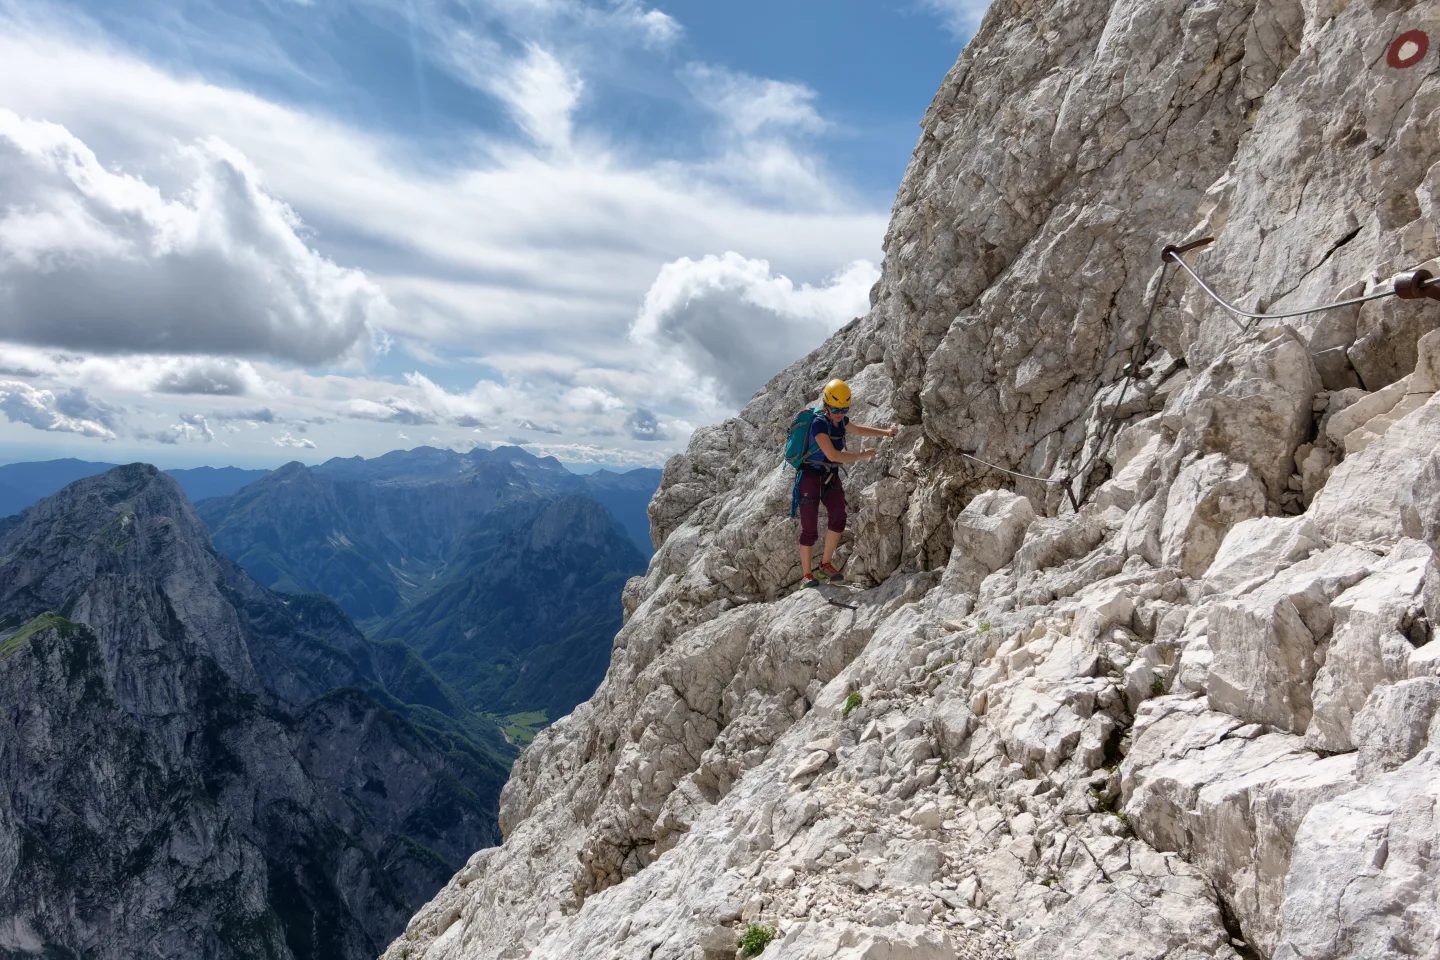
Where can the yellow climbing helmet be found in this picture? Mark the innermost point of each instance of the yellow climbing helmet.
(836, 395)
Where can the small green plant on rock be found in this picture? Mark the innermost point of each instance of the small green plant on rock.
(985, 627)
(1157, 687)
(756, 938)
(851, 702)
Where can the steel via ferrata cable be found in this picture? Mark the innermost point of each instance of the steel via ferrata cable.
(1417, 284)
(1410, 285)
(1136, 359)
(1013, 473)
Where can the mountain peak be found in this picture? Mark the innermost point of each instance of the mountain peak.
(124, 482)
(125, 553)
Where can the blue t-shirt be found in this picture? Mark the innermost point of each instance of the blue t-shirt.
(822, 425)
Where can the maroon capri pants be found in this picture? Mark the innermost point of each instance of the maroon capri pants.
(816, 487)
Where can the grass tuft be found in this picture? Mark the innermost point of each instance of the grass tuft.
(851, 702)
(755, 939)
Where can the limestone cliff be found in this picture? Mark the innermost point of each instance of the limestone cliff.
(1192, 719)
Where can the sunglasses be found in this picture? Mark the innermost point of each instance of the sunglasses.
(838, 409)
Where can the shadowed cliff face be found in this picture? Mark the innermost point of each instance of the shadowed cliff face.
(1194, 717)
(193, 766)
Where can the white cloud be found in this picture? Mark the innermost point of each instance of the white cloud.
(256, 416)
(78, 403)
(286, 440)
(762, 140)
(531, 253)
(390, 410)
(751, 104)
(215, 376)
(592, 400)
(589, 453)
(96, 260)
(732, 324)
(660, 28)
(191, 428)
(465, 45)
(541, 94)
(532, 239)
(70, 412)
(962, 17)
(197, 423)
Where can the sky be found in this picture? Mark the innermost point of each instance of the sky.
(253, 231)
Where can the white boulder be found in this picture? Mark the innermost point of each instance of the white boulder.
(1255, 550)
(1363, 875)
(1389, 490)
(1263, 644)
(1368, 648)
(1209, 497)
(1229, 805)
(1397, 722)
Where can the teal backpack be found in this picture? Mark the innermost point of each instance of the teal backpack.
(797, 442)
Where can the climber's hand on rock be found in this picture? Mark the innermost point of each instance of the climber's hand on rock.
(893, 430)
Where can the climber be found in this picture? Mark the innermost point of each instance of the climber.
(816, 448)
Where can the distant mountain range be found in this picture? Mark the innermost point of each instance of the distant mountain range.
(193, 765)
(21, 484)
(503, 570)
(528, 608)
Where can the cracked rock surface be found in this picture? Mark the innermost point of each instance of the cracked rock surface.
(1193, 719)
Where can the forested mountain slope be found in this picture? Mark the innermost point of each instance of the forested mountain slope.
(533, 586)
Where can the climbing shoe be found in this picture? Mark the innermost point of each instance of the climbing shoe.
(828, 574)
(809, 581)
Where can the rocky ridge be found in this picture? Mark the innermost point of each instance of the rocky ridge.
(1196, 717)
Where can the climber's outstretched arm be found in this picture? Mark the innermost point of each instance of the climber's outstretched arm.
(865, 431)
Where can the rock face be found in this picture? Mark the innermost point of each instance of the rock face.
(1190, 719)
(192, 766)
